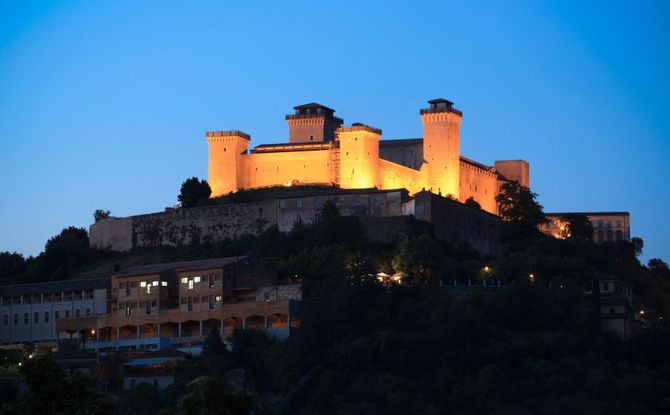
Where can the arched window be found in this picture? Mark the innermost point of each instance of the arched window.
(610, 236)
(618, 235)
(601, 236)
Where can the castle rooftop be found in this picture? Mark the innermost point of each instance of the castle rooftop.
(229, 133)
(440, 105)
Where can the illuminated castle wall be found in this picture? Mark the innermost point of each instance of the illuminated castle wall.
(322, 151)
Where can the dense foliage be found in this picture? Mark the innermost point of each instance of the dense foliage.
(194, 192)
(366, 347)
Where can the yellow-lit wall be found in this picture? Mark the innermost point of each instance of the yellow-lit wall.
(285, 168)
(224, 161)
(395, 176)
(359, 158)
(441, 151)
(480, 184)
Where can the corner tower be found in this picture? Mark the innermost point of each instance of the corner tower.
(225, 156)
(359, 156)
(441, 147)
(312, 123)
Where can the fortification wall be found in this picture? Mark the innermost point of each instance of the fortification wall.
(182, 227)
(282, 168)
(395, 176)
(454, 223)
(481, 185)
(408, 153)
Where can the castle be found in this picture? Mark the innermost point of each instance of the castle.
(323, 151)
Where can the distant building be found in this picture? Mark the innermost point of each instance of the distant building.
(29, 312)
(616, 306)
(607, 226)
(174, 305)
(155, 371)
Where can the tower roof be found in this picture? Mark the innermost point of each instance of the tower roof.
(312, 105)
(440, 101)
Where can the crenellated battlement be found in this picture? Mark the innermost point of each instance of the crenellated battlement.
(323, 151)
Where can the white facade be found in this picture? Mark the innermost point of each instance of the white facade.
(28, 312)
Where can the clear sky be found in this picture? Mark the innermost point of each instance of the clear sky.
(105, 104)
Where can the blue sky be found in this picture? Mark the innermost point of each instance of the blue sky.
(105, 104)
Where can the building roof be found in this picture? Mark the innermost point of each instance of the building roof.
(302, 146)
(178, 266)
(146, 362)
(312, 105)
(589, 213)
(440, 101)
(54, 287)
(336, 191)
(400, 142)
(475, 163)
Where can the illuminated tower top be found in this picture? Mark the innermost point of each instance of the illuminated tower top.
(312, 122)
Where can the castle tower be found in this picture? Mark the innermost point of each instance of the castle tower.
(359, 156)
(312, 123)
(441, 124)
(517, 170)
(225, 155)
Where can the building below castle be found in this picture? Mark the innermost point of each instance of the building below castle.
(607, 226)
(150, 307)
(323, 151)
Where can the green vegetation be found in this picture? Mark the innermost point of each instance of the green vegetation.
(194, 192)
(268, 193)
(101, 214)
(51, 392)
(365, 347)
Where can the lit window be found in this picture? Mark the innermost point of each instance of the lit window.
(218, 298)
(184, 280)
(164, 283)
(190, 284)
(143, 284)
(154, 283)
(196, 279)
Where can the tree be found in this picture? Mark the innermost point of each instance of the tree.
(329, 210)
(100, 214)
(51, 392)
(472, 203)
(422, 258)
(65, 249)
(194, 192)
(208, 395)
(518, 204)
(578, 226)
(213, 344)
(659, 268)
(638, 244)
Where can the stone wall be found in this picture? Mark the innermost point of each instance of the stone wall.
(454, 222)
(385, 215)
(180, 227)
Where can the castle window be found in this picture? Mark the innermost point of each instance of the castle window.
(311, 138)
(224, 149)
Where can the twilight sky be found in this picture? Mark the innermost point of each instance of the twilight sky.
(105, 104)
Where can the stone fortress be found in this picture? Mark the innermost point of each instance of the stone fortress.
(396, 188)
(323, 151)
